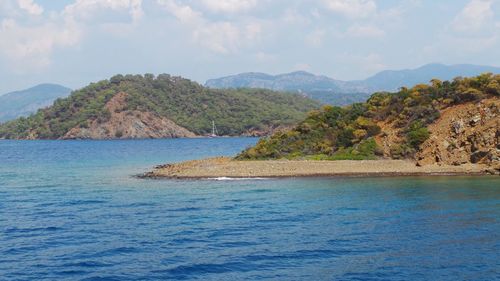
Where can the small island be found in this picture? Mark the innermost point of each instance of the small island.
(444, 128)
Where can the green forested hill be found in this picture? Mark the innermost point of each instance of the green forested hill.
(399, 120)
(185, 102)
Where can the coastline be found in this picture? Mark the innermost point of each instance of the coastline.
(224, 167)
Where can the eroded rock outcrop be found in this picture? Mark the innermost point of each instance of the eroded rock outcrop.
(127, 124)
(467, 133)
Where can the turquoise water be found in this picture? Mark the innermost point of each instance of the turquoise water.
(70, 210)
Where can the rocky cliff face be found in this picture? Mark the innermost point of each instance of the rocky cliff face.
(128, 124)
(464, 133)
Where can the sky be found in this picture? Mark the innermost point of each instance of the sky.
(75, 42)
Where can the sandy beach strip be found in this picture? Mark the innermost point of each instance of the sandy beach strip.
(226, 167)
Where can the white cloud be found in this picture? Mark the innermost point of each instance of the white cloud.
(269, 34)
(30, 7)
(229, 6)
(473, 30)
(221, 37)
(32, 46)
(29, 45)
(252, 30)
(352, 8)
(476, 15)
(474, 45)
(365, 31)
(462, 46)
(367, 64)
(372, 62)
(292, 16)
(185, 14)
(7, 8)
(265, 57)
(302, 67)
(315, 38)
(87, 9)
(218, 36)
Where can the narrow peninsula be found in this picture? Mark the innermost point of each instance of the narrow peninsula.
(441, 128)
(224, 167)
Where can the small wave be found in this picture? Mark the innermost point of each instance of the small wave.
(183, 271)
(72, 272)
(33, 229)
(84, 202)
(87, 264)
(185, 209)
(113, 252)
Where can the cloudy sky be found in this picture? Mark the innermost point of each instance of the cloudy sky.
(74, 42)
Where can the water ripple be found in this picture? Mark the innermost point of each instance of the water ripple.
(71, 211)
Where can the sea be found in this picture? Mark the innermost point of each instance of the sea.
(74, 210)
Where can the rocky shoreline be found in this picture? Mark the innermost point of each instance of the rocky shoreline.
(222, 167)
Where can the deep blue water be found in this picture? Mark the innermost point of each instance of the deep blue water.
(70, 210)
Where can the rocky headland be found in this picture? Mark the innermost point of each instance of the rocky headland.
(128, 124)
(450, 127)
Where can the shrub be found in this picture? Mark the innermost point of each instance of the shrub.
(368, 125)
(417, 134)
(119, 134)
(360, 134)
(469, 95)
(401, 151)
(493, 88)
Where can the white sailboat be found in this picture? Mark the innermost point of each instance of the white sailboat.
(214, 133)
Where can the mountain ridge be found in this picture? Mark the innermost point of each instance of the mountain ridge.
(25, 102)
(339, 92)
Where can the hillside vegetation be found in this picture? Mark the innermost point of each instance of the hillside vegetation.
(392, 124)
(182, 101)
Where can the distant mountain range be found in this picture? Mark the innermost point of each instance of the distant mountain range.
(26, 102)
(319, 87)
(338, 92)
